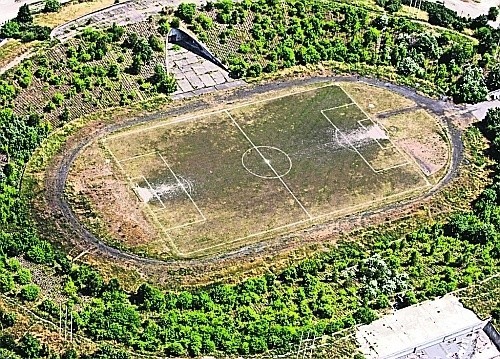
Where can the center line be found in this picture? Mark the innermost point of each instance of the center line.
(268, 162)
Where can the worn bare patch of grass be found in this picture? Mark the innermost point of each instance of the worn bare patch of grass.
(421, 136)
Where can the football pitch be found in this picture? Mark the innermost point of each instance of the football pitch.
(242, 174)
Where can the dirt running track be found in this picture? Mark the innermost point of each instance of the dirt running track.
(191, 271)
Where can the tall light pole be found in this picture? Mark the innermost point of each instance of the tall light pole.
(166, 53)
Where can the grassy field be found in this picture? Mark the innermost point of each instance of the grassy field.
(214, 182)
(70, 12)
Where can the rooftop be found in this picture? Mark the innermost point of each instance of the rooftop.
(440, 328)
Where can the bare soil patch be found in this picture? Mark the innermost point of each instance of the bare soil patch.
(103, 202)
(422, 137)
(71, 12)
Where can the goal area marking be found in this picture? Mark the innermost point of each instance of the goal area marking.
(156, 212)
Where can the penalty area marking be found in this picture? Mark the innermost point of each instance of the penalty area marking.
(182, 186)
(359, 153)
(419, 169)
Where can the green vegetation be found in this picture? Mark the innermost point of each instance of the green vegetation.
(22, 27)
(52, 6)
(310, 32)
(326, 293)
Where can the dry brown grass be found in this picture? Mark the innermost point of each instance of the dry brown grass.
(239, 209)
(422, 137)
(413, 13)
(13, 49)
(70, 12)
(374, 99)
(109, 197)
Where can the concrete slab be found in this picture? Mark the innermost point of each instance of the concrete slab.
(218, 77)
(184, 85)
(207, 80)
(194, 80)
(200, 69)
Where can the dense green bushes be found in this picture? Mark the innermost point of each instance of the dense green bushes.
(22, 27)
(318, 296)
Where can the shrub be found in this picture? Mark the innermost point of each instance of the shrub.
(52, 6)
(186, 12)
(30, 292)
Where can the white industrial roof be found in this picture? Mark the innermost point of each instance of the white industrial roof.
(417, 326)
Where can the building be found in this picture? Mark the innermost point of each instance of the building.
(440, 328)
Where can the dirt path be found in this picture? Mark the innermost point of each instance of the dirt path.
(158, 270)
(17, 61)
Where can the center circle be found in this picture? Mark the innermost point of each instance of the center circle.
(266, 162)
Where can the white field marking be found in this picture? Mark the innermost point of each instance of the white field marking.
(346, 210)
(341, 106)
(405, 162)
(360, 122)
(419, 169)
(153, 192)
(183, 187)
(359, 153)
(349, 142)
(169, 237)
(138, 156)
(130, 181)
(267, 161)
(176, 251)
(124, 133)
(173, 247)
(270, 166)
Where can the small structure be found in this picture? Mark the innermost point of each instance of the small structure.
(185, 40)
(440, 328)
(4, 159)
(494, 95)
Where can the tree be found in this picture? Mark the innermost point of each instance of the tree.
(136, 65)
(163, 82)
(142, 49)
(365, 315)
(156, 43)
(493, 13)
(390, 5)
(30, 292)
(23, 276)
(52, 6)
(115, 32)
(6, 282)
(186, 12)
(491, 122)
(29, 347)
(70, 354)
(493, 78)
(470, 87)
(10, 29)
(65, 115)
(24, 15)
(7, 320)
(149, 298)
